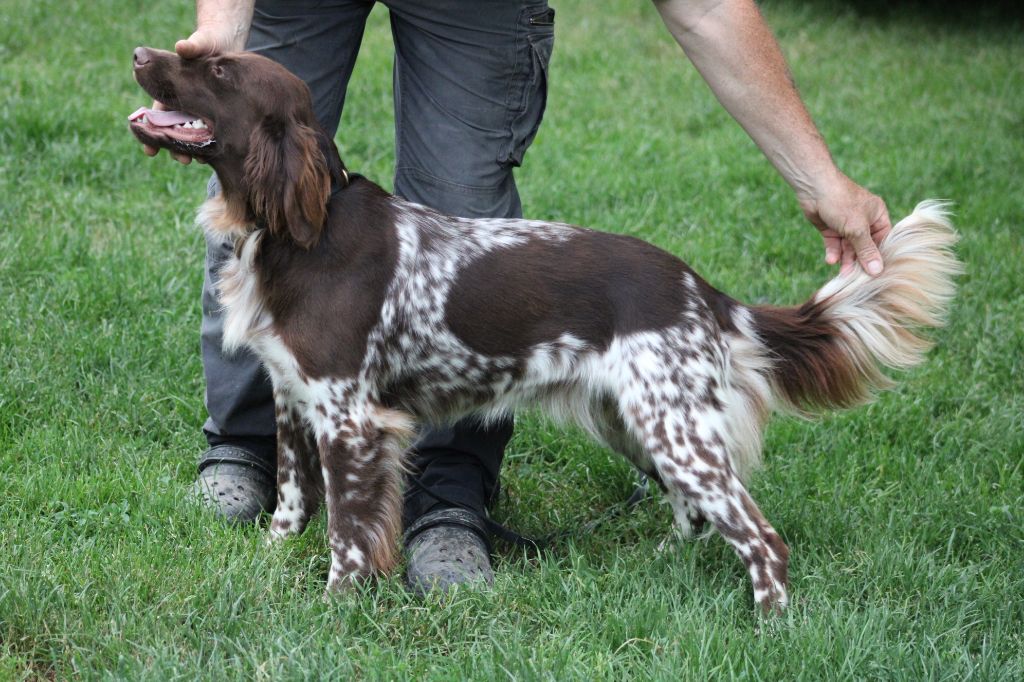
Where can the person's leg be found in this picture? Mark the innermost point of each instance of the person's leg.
(470, 90)
(318, 41)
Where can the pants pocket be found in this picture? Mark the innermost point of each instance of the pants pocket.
(528, 97)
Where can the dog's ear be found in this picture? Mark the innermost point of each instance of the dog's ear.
(288, 180)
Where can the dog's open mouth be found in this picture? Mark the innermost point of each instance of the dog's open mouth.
(163, 127)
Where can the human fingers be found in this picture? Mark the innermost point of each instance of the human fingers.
(199, 44)
(882, 226)
(833, 246)
(208, 40)
(867, 252)
(848, 258)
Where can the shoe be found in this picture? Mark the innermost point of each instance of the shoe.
(235, 483)
(445, 548)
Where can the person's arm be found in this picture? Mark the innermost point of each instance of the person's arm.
(221, 26)
(735, 52)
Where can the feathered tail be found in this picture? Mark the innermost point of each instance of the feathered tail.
(830, 351)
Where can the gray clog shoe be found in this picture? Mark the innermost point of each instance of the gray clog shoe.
(235, 483)
(445, 548)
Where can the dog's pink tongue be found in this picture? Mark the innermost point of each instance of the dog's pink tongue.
(161, 118)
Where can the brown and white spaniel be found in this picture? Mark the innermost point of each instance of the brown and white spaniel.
(371, 313)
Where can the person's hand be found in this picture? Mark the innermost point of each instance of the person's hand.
(206, 41)
(852, 222)
(202, 43)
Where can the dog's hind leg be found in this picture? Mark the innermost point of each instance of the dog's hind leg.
(612, 431)
(300, 483)
(686, 446)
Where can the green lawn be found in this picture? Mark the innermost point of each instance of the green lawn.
(904, 518)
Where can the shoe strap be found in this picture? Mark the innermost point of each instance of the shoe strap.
(232, 454)
(448, 517)
(486, 525)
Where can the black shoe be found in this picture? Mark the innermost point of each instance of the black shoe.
(447, 547)
(236, 484)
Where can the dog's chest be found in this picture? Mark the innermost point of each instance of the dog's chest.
(246, 320)
(244, 313)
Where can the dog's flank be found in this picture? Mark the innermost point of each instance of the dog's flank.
(381, 309)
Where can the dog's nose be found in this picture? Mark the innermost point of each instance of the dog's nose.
(140, 57)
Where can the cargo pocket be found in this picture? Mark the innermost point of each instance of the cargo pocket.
(528, 97)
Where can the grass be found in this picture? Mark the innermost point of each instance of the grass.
(904, 518)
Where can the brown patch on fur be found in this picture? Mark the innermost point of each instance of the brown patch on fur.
(509, 300)
(811, 367)
(395, 431)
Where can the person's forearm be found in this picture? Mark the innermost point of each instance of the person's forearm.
(228, 18)
(734, 50)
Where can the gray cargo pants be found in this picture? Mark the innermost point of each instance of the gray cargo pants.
(470, 85)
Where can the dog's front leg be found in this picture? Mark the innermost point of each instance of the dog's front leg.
(361, 463)
(300, 483)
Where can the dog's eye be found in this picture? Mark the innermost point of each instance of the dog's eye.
(217, 70)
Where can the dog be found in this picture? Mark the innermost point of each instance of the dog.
(371, 313)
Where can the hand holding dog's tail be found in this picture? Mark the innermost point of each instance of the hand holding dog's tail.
(830, 352)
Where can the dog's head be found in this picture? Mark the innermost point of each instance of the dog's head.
(252, 120)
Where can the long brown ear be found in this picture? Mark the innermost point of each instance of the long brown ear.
(288, 180)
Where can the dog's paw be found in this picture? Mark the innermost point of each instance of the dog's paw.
(281, 529)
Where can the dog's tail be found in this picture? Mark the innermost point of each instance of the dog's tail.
(830, 351)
